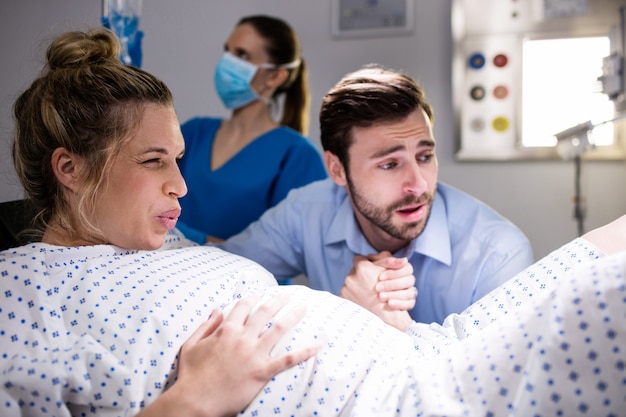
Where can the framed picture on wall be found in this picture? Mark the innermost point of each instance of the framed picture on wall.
(371, 18)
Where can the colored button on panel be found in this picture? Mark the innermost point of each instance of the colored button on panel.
(500, 60)
(477, 124)
(476, 60)
(477, 93)
(500, 124)
(500, 92)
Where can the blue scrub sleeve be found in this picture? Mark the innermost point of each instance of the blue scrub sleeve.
(303, 165)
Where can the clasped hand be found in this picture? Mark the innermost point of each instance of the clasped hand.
(384, 285)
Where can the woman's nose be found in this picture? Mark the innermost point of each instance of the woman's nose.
(176, 184)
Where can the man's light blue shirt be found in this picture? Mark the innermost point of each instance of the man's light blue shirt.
(465, 251)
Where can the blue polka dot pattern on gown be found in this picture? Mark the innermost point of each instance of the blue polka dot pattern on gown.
(96, 331)
(522, 350)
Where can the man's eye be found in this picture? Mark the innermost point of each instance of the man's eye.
(388, 165)
(425, 158)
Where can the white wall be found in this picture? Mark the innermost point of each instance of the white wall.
(184, 38)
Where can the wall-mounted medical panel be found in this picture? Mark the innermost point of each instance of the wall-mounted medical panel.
(488, 118)
(489, 38)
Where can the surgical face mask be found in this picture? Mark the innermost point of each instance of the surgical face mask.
(232, 80)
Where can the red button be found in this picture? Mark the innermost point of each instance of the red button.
(500, 60)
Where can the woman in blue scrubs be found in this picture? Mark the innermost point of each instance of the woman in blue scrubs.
(239, 167)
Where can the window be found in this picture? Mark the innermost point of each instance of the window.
(560, 89)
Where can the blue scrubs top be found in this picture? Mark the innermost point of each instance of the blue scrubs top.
(223, 202)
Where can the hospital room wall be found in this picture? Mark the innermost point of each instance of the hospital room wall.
(183, 40)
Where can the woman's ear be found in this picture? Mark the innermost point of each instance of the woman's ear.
(335, 168)
(277, 78)
(67, 168)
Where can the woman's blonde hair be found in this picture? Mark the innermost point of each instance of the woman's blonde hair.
(86, 101)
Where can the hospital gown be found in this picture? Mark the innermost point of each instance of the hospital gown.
(96, 331)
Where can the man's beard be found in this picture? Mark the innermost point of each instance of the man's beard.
(382, 217)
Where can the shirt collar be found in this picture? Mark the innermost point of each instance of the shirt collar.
(344, 228)
(434, 242)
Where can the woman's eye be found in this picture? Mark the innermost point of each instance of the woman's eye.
(242, 55)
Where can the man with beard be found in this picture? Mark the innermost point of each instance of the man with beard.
(382, 230)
